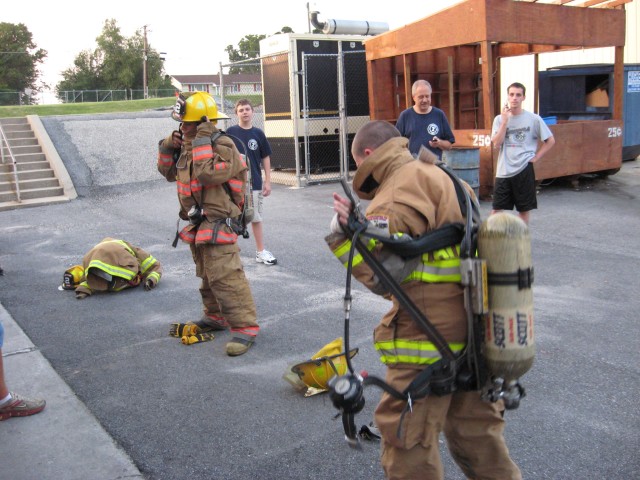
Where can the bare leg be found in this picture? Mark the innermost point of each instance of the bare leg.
(4, 391)
(258, 235)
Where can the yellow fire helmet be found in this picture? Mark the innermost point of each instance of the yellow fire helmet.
(72, 277)
(330, 360)
(191, 107)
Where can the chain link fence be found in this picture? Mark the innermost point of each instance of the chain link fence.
(80, 96)
(311, 107)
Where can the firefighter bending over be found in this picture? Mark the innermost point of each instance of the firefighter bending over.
(412, 197)
(111, 266)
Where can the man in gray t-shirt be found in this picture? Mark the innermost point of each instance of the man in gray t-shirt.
(523, 138)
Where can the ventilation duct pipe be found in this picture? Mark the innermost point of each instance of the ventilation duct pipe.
(352, 27)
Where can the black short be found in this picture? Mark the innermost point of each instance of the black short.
(518, 191)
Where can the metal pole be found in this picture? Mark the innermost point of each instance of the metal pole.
(221, 86)
(342, 119)
(144, 66)
(5, 143)
(305, 115)
(295, 105)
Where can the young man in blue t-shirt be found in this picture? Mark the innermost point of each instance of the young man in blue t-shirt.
(424, 124)
(252, 141)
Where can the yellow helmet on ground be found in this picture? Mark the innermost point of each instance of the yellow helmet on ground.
(191, 107)
(326, 363)
(72, 277)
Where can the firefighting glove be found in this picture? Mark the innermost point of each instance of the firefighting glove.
(81, 295)
(150, 284)
(205, 129)
(199, 338)
(181, 329)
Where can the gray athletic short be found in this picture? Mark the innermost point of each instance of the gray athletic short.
(258, 206)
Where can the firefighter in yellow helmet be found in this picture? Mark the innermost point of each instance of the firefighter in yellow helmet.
(211, 178)
(111, 266)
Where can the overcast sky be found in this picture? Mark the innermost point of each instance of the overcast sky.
(194, 38)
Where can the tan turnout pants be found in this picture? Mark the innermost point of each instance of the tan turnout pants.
(225, 290)
(473, 429)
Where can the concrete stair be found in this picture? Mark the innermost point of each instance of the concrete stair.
(42, 178)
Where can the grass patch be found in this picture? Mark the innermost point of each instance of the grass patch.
(92, 108)
(87, 107)
(255, 100)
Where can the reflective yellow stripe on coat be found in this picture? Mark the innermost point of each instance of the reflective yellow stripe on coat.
(413, 352)
(342, 252)
(445, 268)
(112, 269)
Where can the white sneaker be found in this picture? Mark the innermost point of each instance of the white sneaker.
(266, 257)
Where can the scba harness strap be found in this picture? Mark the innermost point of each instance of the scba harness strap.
(239, 224)
(247, 204)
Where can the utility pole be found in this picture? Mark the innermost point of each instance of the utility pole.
(145, 91)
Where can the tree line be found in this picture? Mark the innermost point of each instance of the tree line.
(116, 63)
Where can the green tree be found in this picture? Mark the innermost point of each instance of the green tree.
(83, 75)
(248, 48)
(19, 60)
(116, 64)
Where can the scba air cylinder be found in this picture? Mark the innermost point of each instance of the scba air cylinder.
(509, 349)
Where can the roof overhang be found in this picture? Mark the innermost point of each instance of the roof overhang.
(520, 27)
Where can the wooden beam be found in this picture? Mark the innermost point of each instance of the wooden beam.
(560, 2)
(372, 87)
(590, 3)
(618, 83)
(488, 107)
(614, 4)
(488, 93)
(452, 113)
(536, 65)
(408, 98)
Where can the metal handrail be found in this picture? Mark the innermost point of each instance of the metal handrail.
(5, 141)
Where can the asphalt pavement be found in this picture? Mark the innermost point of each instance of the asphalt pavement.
(126, 400)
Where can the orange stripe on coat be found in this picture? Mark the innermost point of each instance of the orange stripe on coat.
(202, 152)
(206, 235)
(165, 159)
